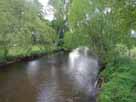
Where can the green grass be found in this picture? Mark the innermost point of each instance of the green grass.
(16, 52)
(120, 81)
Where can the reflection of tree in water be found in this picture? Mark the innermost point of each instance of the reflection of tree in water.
(83, 71)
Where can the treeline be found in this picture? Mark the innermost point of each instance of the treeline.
(23, 29)
(108, 28)
(104, 25)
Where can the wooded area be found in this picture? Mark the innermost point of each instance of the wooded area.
(107, 27)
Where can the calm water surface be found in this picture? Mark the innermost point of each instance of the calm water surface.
(47, 79)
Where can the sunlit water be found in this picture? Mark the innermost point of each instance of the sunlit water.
(54, 78)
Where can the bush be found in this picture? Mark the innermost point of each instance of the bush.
(75, 39)
(120, 81)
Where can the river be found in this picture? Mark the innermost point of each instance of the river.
(55, 78)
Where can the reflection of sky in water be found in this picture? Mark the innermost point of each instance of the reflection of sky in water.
(49, 90)
(32, 68)
(32, 71)
(83, 76)
(49, 80)
(83, 70)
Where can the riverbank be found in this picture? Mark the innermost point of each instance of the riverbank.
(118, 81)
(13, 59)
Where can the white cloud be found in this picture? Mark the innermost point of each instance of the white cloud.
(133, 33)
(48, 10)
(44, 2)
(107, 10)
(49, 13)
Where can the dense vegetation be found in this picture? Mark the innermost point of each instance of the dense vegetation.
(101, 25)
(23, 31)
(107, 27)
(119, 81)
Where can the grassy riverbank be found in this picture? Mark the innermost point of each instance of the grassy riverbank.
(119, 81)
(18, 53)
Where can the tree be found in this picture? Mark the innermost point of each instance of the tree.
(20, 20)
(105, 23)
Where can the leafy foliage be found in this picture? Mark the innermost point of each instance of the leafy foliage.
(105, 26)
(120, 83)
(23, 27)
(105, 23)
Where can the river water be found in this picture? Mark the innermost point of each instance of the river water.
(54, 78)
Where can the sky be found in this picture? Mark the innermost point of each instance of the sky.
(44, 2)
(48, 10)
(133, 33)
